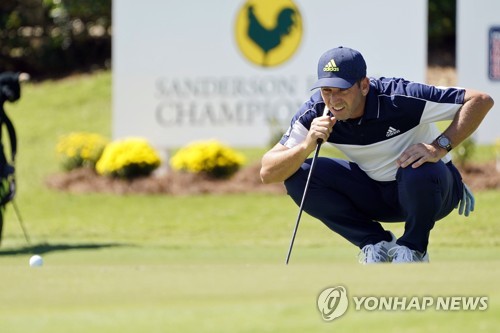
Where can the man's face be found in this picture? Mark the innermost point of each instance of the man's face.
(346, 103)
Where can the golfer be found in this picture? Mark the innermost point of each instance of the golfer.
(398, 164)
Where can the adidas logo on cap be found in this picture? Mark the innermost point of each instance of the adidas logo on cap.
(331, 66)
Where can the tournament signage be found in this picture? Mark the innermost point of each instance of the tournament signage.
(494, 54)
(240, 101)
(238, 71)
(478, 57)
(268, 33)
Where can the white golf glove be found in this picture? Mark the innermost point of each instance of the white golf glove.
(466, 204)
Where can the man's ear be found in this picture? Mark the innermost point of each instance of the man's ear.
(365, 86)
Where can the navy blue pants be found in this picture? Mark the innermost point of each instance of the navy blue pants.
(352, 204)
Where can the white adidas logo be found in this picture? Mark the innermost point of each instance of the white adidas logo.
(391, 131)
(331, 66)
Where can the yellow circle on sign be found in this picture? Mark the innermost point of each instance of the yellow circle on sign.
(267, 32)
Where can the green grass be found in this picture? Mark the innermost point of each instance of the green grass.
(207, 263)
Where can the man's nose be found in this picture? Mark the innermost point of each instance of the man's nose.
(334, 97)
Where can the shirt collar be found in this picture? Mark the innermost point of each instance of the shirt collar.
(372, 107)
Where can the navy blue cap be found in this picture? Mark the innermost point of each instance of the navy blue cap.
(340, 67)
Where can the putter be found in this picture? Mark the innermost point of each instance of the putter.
(301, 208)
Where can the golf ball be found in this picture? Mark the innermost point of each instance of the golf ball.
(36, 261)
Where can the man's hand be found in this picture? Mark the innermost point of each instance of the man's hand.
(321, 128)
(280, 162)
(466, 205)
(418, 154)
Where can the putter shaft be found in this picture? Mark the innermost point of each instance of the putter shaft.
(319, 142)
(313, 163)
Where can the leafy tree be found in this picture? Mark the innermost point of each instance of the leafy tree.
(442, 32)
(49, 38)
(54, 37)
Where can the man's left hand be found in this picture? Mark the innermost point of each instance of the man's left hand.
(418, 154)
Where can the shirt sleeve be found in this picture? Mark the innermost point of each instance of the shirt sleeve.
(441, 103)
(301, 121)
(295, 135)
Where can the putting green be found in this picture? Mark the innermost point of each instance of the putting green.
(239, 289)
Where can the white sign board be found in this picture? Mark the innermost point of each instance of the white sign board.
(478, 57)
(235, 70)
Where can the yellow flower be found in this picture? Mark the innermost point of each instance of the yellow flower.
(80, 149)
(210, 157)
(128, 158)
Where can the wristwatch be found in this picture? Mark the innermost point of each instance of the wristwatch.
(444, 142)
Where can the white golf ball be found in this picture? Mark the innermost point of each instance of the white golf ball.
(36, 261)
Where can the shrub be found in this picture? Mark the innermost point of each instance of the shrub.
(128, 158)
(80, 149)
(209, 157)
(464, 152)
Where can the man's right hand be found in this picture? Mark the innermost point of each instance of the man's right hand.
(321, 128)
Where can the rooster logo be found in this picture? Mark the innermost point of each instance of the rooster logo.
(268, 32)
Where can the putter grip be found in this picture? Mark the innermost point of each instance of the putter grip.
(325, 113)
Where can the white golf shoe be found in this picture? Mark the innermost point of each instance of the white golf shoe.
(401, 254)
(377, 253)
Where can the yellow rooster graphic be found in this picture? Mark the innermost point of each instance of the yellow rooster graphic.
(268, 39)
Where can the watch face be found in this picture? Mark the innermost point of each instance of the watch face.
(443, 141)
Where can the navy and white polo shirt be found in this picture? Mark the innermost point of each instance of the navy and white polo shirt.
(398, 113)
